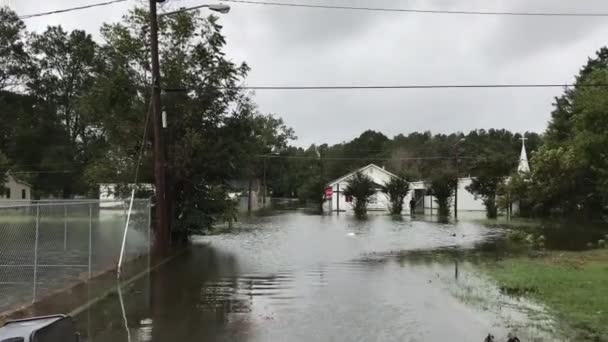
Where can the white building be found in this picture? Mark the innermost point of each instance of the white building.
(466, 200)
(16, 191)
(418, 190)
(340, 202)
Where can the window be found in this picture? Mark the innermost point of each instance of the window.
(23, 193)
(349, 199)
(8, 193)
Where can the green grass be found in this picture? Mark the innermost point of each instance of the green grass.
(573, 285)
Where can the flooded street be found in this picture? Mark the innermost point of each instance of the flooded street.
(296, 277)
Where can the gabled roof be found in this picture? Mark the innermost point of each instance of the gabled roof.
(17, 179)
(374, 166)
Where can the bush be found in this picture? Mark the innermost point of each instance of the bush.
(360, 187)
(396, 190)
(442, 188)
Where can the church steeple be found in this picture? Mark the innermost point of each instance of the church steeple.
(523, 166)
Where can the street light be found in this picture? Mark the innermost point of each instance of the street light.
(221, 8)
(162, 222)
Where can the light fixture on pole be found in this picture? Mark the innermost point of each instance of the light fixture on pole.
(162, 221)
(220, 8)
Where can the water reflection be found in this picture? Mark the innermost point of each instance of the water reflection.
(298, 277)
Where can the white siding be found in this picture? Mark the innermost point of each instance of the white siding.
(379, 200)
(18, 190)
(466, 200)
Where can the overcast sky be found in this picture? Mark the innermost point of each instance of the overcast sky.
(299, 46)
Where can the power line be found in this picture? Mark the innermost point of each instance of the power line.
(40, 172)
(271, 156)
(374, 9)
(413, 86)
(407, 10)
(41, 14)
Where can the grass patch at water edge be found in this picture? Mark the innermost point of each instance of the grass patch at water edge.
(573, 285)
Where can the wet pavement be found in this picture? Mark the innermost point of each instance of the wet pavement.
(291, 276)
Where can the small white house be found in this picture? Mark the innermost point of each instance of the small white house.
(336, 201)
(16, 191)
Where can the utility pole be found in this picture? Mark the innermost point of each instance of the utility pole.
(264, 194)
(456, 190)
(162, 224)
(322, 181)
(457, 161)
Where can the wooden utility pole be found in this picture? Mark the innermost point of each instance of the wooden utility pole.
(264, 194)
(162, 225)
(456, 190)
(338, 197)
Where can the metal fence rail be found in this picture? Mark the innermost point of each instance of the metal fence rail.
(48, 245)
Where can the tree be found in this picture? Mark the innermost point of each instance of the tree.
(518, 189)
(442, 186)
(313, 191)
(396, 189)
(13, 55)
(62, 72)
(570, 172)
(361, 188)
(489, 179)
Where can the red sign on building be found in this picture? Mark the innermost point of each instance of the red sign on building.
(329, 192)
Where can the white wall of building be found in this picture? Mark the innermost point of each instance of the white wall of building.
(378, 202)
(17, 191)
(466, 200)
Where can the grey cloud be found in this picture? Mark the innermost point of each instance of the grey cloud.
(292, 46)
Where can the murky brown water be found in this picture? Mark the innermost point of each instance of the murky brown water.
(298, 277)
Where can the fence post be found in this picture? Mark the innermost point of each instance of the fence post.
(65, 227)
(90, 236)
(36, 253)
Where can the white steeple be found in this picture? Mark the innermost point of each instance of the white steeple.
(523, 166)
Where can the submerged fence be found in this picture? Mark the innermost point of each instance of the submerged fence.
(48, 245)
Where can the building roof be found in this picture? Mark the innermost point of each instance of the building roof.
(17, 179)
(523, 166)
(336, 181)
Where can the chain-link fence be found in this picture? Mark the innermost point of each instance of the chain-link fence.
(48, 245)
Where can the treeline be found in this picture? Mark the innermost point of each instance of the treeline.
(73, 111)
(569, 162)
(416, 156)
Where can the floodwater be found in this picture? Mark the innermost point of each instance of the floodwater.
(290, 276)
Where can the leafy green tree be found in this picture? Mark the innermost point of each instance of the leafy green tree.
(361, 188)
(517, 190)
(569, 173)
(396, 189)
(556, 176)
(62, 72)
(489, 180)
(442, 186)
(13, 55)
(313, 191)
